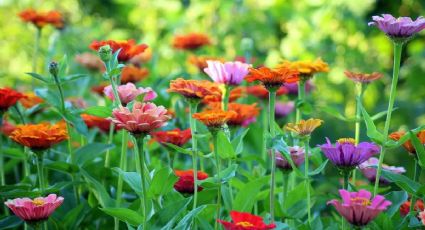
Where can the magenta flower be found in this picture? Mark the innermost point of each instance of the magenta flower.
(358, 208)
(297, 156)
(142, 119)
(230, 73)
(293, 87)
(34, 210)
(398, 28)
(129, 92)
(346, 155)
(282, 109)
(369, 171)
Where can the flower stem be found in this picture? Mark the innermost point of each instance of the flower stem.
(108, 152)
(307, 179)
(225, 99)
(301, 96)
(123, 166)
(35, 54)
(2, 177)
(396, 69)
(272, 99)
(138, 150)
(359, 98)
(416, 179)
(285, 180)
(217, 164)
(40, 173)
(193, 106)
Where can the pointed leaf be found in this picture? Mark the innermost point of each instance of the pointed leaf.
(125, 215)
(372, 132)
(419, 147)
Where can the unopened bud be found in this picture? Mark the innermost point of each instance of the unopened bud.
(54, 68)
(105, 53)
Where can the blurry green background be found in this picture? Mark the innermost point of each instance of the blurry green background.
(335, 30)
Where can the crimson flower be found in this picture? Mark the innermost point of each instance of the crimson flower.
(186, 182)
(245, 221)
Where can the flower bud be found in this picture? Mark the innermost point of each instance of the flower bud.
(105, 53)
(54, 68)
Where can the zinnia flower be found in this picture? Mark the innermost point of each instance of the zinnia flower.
(6, 127)
(41, 136)
(363, 77)
(422, 217)
(194, 89)
(358, 208)
(35, 210)
(98, 89)
(142, 119)
(30, 100)
(369, 171)
(405, 207)
(244, 114)
(8, 98)
(229, 73)
(129, 92)
(186, 182)
(234, 95)
(261, 92)
(408, 144)
(191, 41)
(245, 221)
(90, 61)
(133, 74)
(292, 88)
(40, 19)
(176, 136)
(128, 49)
(398, 28)
(215, 118)
(101, 123)
(304, 127)
(283, 109)
(305, 68)
(272, 79)
(297, 156)
(201, 61)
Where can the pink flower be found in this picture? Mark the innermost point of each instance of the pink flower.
(358, 208)
(142, 119)
(230, 73)
(422, 217)
(34, 210)
(297, 156)
(368, 170)
(282, 109)
(129, 92)
(402, 27)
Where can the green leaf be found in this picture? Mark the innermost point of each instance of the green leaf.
(372, 132)
(186, 221)
(76, 121)
(132, 179)
(381, 114)
(224, 148)
(73, 77)
(179, 149)
(39, 77)
(63, 65)
(162, 182)
(98, 190)
(167, 216)
(237, 142)
(225, 175)
(125, 215)
(419, 147)
(246, 197)
(49, 97)
(397, 198)
(334, 113)
(16, 153)
(319, 169)
(61, 166)
(90, 151)
(75, 216)
(403, 182)
(99, 111)
(10, 222)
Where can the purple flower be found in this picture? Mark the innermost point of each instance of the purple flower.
(282, 109)
(346, 155)
(402, 27)
(370, 172)
(129, 92)
(293, 87)
(230, 73)
(297, 156)
(358, 208)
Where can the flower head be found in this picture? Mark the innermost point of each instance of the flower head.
(229, 73)
(133, 74)
(128, 49)
(30, 100)
(292, 88)
(245, 220)
(244, 114)
(261, 92)
(214, 118)
(38, 209)
(201, 61)
(408, 144)
(369, 171)
(186, 182)
(363, 77)
(272, 78)
(90, 61)
(101, 123)
(40, 136)
(98, 89)
(40, 19)
(129, 92)
(176, 136)
(297, 156)
(235, 94)
(282, 109)
(304, 127)
(398, 28)
(142, 119)
(405, 207)
(8, 98)
(358, 208)
(305, 68)
(194, 89)
(191, 41)
(422, 217)
(6, 127)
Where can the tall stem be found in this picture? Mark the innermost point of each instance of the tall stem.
(359, 99)
(35, 54)
(108, 152)
(217, 163)
(307, 178)
(396, 69)
(416, 179)
(301, 97)
(2, 178)
(40, 173)
(272, 99)
(285, 180)
(123, 166)
(193, 106)
(225, 99)
(141, 144)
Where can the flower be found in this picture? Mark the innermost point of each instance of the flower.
(30, 100)
(142, 58)
(128, 49)
(292, 88)
(201, 61)
(358, 208)
(422, 217)
(297, 156)
(191, 41)
(99, 88)
(363, 77)
(282, 109)
(398, 28)
(35, 210)
(369, 171)
(90, 61)
(6, 128)
(133, 74)
(176, 136)
(101, 123)
(245, 220)
(40, 19)
(261, 92)
(235, 94)
(271, 78)
(346, 155)
(186, 182)
(129, 92)
(405, 207)
(229, 73)
(244, 114)
(408, 144)
(214, 118)
(8, 98)
(305, 68)
(304, 127)
(142, 119)
(41, 136)
(194, 89)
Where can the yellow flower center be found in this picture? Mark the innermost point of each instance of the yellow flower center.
(361, 200)
(346, 140)
(38, 202)
(244, 224)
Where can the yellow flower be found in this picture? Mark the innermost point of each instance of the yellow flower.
(304, 127)
(306, 68)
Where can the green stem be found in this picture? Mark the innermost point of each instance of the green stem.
(301, 97)
(285, 180)
(264, 121)
(272, 99)
(416, 179)
(110, 137)
(40, 172)
(2, 177)
(396, 69)
(225, 99)
(217, 163)
(307, 178)
(359, 98)
(140, 143)
(35, 54)
(123, 166)
(193, 106)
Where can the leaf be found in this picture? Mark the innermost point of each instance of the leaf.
(397, 198)
(281, 146)
(246, 197)
(186, 221)
(49, 97)
(334, 113)
(132, 179)
(372, 132)
(16, 153)
(403, 182)
(39, 77)
(419, 147)
(237, 142)
(179, 149)
(225, 175)
(73, 77)
(166, 217)
(319, 169)
(99, 111)
(75, 216)
(125, 214)
(162, 182)
(90, 151)
(98, 190)
(61, 166)
(224, 147)
(10, 222)
(381, 114)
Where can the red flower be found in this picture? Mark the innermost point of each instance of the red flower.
(185, 184)
(245, 221)
(7, 128)
(129, 48)
(405, 207)
(261, 92)
(191, 41)
(8, 98)
(176, 136)
(40, 19)
(101, 123)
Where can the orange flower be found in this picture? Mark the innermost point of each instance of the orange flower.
(214, 118)
(142, 58)
(363, 77)
(305, 68)
(39, 136)
(8, 98)
(40, 19)
(245, 114)
(99, 88)
(201, 61)
(176, 136)
(30, 100)
(191, 41)
(194, 89)
(408, 144)
(304, 127)
(235, 94)
(131, 73)
(261, 92)
(272, 78)
(129, 48)
(101, 123)
(90, 61)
